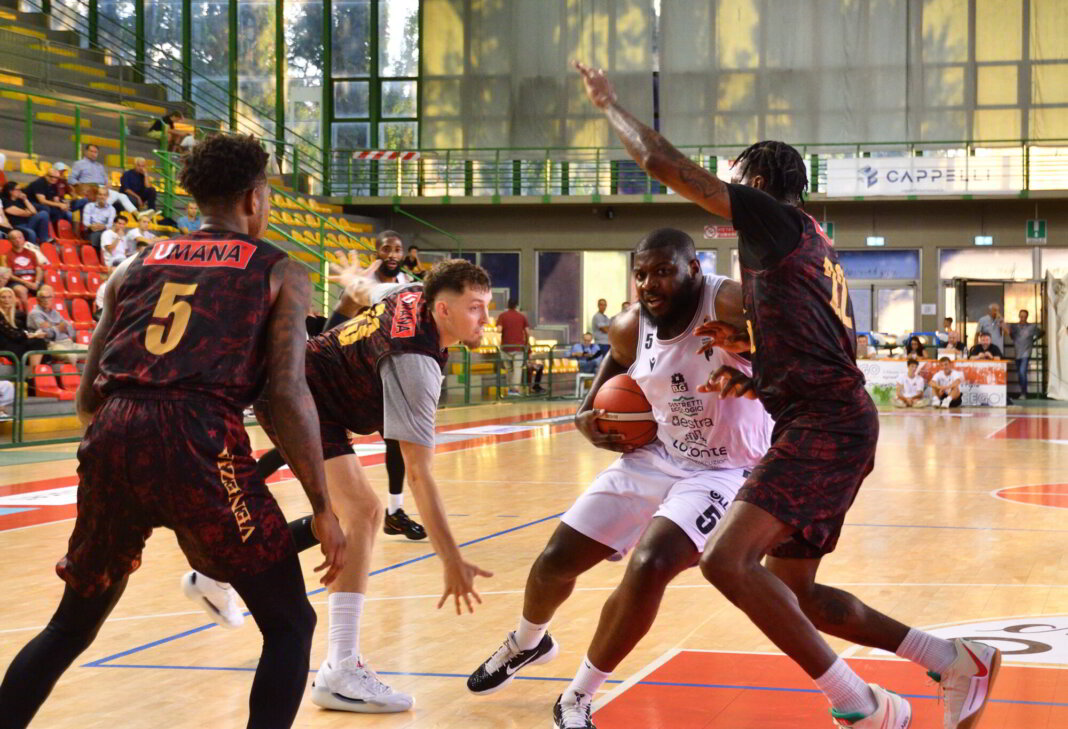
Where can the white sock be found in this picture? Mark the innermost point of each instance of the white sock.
(343, 637)
(396, 501)
(529, 634)
(931, 652)
(846, 691)
(587, 681)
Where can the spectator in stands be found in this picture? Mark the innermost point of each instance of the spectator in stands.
(515, 335)
(955, 343)
(66, 193)
(88, 175)
(946, 384)
(601, 322)
(139, 233)
(390, 250)
(947, 324)
(588, 354)
(191, 220)
(985, 349)
(1023, 335)
(178, 140)
(412, 262)
(134, 184)
(44, 193)
(993, 324)
(113, 243)
(14, 335)
(914, 348)
(908, 392)
(24, 215)
(97, 218)
(26, 273)
(625, 305)
(58, 331)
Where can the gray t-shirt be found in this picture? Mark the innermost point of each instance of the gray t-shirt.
(1023, 338)
(411, 387)
(993, 328)
(600, 320)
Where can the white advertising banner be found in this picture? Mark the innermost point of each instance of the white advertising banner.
(903, 175)
(984, 381)
(1057, 335)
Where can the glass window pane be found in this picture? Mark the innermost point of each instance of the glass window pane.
(163, 45)
(559, 290)
(398, 42)
(398, 135)
(503, 269)
(708, 261)
(886, 264)
(996, 263)
(605, 275)
(211, 58)
(115, 29)
(304, 72)
(895, 310)
(255, 65)
(351, 99)
(1055, 261)
(398, 98)
(860, 297)
(352, 135)
(351, 50)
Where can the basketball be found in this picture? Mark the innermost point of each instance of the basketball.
(626, 411)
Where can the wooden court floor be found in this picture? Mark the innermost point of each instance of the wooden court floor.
(961, 526)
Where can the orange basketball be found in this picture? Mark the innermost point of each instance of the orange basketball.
(626, 411)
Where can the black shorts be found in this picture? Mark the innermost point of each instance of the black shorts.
(156, 459)
(811, 474)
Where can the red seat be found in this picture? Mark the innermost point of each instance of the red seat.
(50, 252)
(69, 257)
(61, 306)
(91, 260)
(75, 287)
(83, 336)
(5, 246)
(53, 279)
(83, 318)
(45, 384)
(65, 231)
(93, 281)
(69, 377)
(31, 304)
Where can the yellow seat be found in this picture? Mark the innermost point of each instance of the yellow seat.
(29, 166)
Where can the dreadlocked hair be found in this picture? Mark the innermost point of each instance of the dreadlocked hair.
(781, 167)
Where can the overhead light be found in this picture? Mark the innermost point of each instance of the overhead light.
(984, 240)
(875, 240)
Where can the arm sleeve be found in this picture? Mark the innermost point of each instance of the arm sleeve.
(768, 230)
(33, 321)
(411, 386)
(75, 176)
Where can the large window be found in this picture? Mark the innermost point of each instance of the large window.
(163, 45)
(256, 65)
(116, 29)
(560, 291)
(304, 72)
(210, 58)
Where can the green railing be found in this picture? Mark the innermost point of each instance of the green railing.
(594, 171)
(26, 376)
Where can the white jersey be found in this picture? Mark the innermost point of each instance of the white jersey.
(692, 425)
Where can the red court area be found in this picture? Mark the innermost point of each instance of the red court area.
(1046, 494)
(1034, 429)
(746, 691)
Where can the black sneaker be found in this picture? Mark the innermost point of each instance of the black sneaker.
(500, 668)
(573, 715)
(399, 523)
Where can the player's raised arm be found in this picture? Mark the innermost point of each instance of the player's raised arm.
(295, 418)
(656, 155)
(623, 336)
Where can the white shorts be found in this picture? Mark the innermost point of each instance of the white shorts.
(647, 483)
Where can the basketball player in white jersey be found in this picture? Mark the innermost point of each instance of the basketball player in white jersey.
(663, 499)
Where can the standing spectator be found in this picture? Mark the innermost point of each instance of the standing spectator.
(97, 218)
(58, 331)
(44, 193)
(113, 243)
(14, 336)
(1023, 336)
(191, 220)
(946, 385)
(588, 354)
(985, 349)
(134, 184)
(515, 335)
(178, 140)
(993, 324)
(24, 215)
(26, 271)
(909, 389)
(88, 176)
(601, 322)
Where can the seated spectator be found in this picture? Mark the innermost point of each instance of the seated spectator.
(58, 331)
(909, 389)
(97, 218)
(623, 307)
(139, 233)
(113, 243)
(22, 270)
(98, 302)
(134, 183)
(914, 348)
(956, 344)
(88, 175)
(535, 369)
(66, 193)
(44, 193)
(588, 354)
(191, 220)
(946, 384)
(14, 335)
(984, 350)
(412, 262)
(24, 215)
(178, 140)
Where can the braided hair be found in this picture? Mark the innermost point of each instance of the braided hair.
(781, 167)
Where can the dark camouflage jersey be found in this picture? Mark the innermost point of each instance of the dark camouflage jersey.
(342, 364)
(191, 315)
(801, 325)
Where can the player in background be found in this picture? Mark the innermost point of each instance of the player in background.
(665, 497)
(790, 512)
(191, 330)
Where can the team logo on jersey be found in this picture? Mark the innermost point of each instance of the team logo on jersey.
(652, 362)
(678, 383)
(686, 405)
(406, 315)
(201, 253)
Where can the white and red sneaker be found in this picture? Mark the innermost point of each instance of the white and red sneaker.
(967, 682)
(891, 712)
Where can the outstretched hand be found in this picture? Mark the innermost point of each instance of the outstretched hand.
(356, 281)
(723, 335)
(598, 88)
(730, 382)
(460, 583)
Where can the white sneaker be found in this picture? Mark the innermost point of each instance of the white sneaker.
(353, 686)
(967, 682)
(945, 402)
(891, 712)
(218, 599)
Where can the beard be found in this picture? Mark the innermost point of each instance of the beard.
(680, 306)
(391, 265)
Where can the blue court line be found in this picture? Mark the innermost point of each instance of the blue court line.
(968, 528)
(676, 684)
(103, 661)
